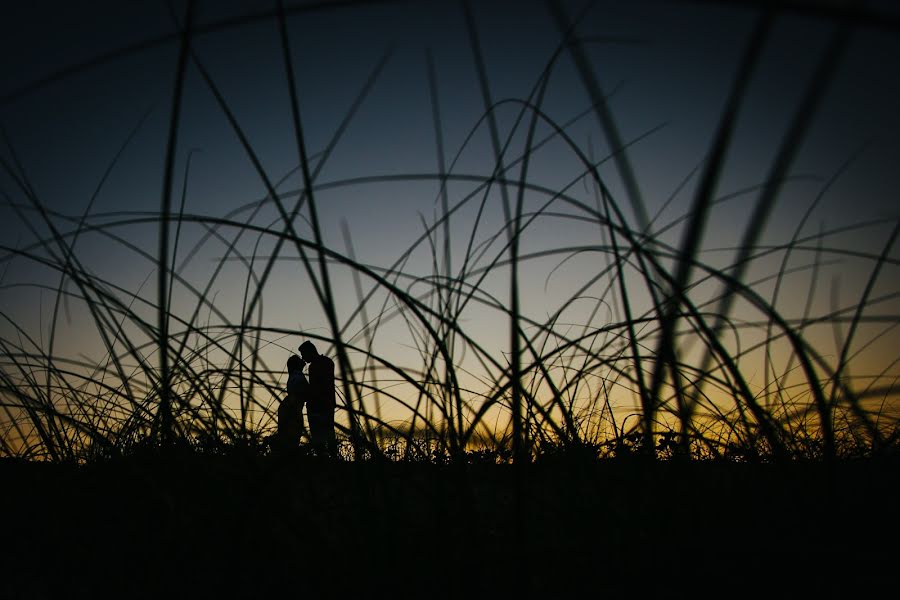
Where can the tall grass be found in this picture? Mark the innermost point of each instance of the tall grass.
(662, 359)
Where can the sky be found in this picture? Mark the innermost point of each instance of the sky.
(86, 103)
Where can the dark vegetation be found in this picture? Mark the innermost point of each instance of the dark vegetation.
(243, 525)
(148, 475)
(239, 521)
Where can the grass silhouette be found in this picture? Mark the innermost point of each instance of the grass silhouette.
(540, 388)
(169, 426)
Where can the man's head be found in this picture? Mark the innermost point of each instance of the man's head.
(294, 363)
(308, 351)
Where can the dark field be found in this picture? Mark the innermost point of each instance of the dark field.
(249, 526)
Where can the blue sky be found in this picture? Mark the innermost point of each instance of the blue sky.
(667, 68)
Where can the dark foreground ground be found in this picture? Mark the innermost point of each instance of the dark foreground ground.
(198, 526)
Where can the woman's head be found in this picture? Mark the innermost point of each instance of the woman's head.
(295, 363)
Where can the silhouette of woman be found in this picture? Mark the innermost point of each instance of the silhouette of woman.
(290, 411)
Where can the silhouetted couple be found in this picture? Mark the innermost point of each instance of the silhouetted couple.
(317, 394)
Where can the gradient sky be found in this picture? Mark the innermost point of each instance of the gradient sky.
(666, 66)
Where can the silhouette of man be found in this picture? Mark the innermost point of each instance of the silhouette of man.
(320, 401)
(290, 411)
